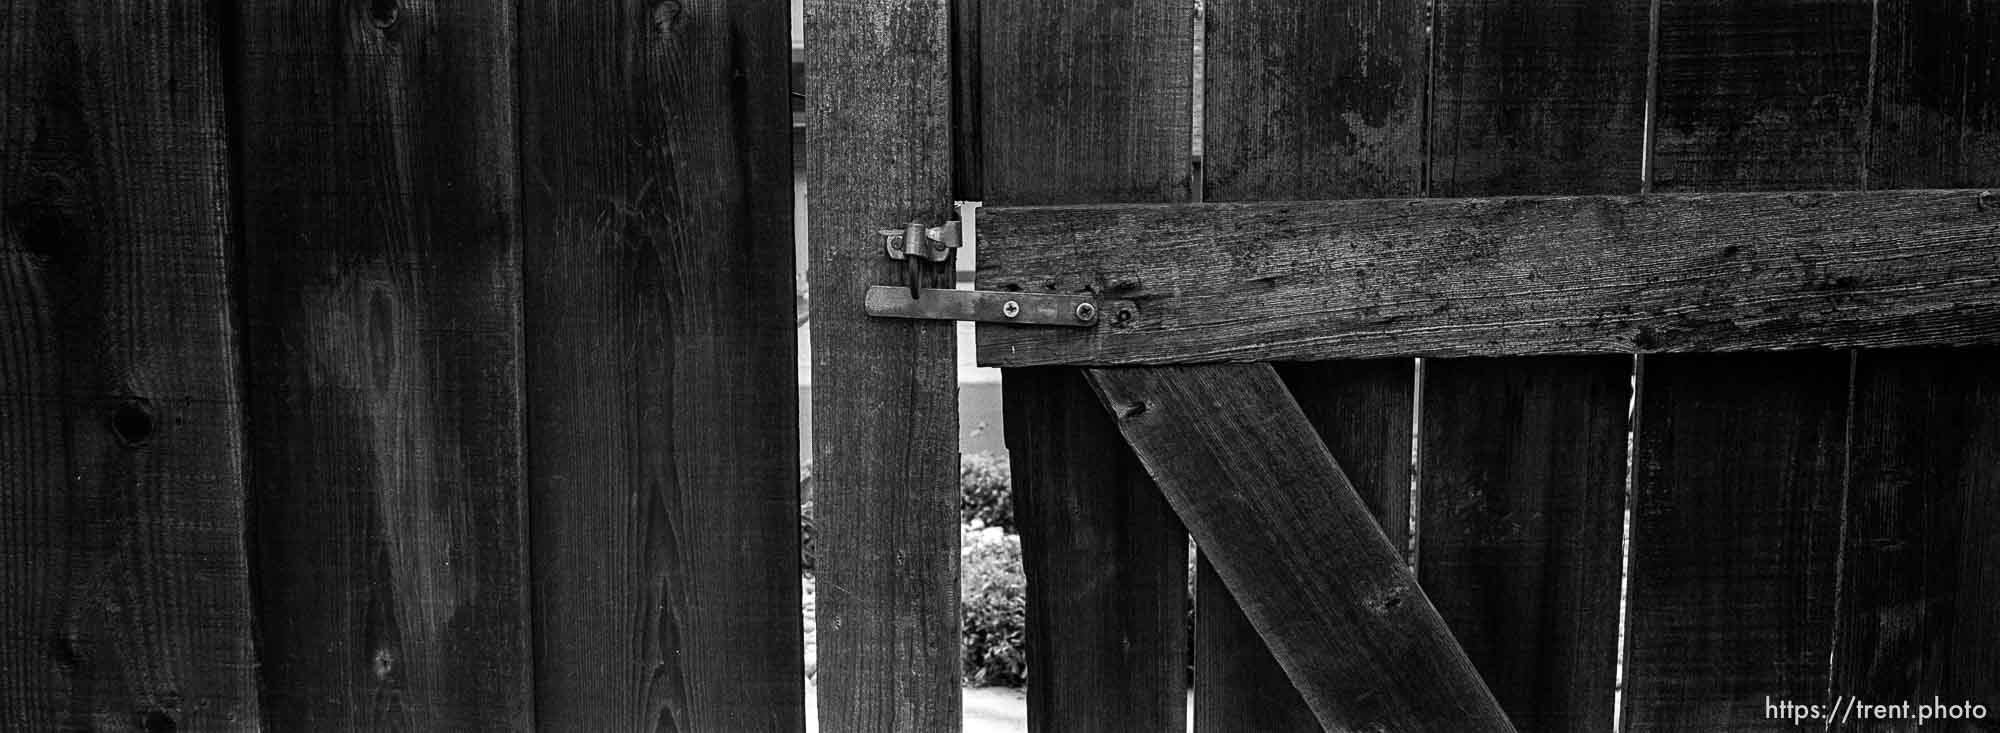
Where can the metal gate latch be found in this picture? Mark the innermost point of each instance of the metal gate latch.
(986, 306)
(915, 243)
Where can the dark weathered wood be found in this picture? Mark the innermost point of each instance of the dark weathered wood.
(1522, 495)
(885, 401)
(1537, 97)
(1919, 609)
(1510, 276)
(1760, 96)
(1362, 412)
(1734, 537)
(1936, 121)
(1313, 100)
(1737, 477)
(660, 348)
(1086, 102)
(379, 201)
(1524, 458)
(127, 601)
(1920, 563)
(1286, 532)
(1106, 563)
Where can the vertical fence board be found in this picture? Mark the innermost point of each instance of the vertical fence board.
(1919, 613)
(1737, 489)
(1309, 101)
(1918, 606)
(1313, 100)
(660, 354)
(1106, 561)
(1733, 538)
(382, 252)
(1522, 482)
(885, 396)
(1089, 102)
(127, 602)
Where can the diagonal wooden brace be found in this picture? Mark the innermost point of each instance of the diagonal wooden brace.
(1271, 509)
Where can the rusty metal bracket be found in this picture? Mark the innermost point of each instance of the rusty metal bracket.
(984, 306)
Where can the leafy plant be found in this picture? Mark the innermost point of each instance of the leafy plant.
(985, 491)
(992, 594)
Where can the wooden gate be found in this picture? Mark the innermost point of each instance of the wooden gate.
(1686, 456)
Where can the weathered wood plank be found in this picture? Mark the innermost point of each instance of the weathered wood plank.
(1760, 96)
(1362, 412)
(1537, 97)
(1919, 613)
(1509, 276)
(1936, 121)
(1311, 101)
(1734, 537)
(1523, 483)
(660, 351)
(885, 401)
(127, 602)
(1286, 532)
(1085, 102)
(1523, 458)
(1920, 565)
(380, 205)
(1737, 477)
(1106, 562)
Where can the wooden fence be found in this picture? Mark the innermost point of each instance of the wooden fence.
(425, 366)
(397, 365)
(1618, 536)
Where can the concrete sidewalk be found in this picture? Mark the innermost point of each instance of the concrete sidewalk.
(987, 710)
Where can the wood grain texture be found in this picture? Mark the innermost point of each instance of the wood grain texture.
(127, 602)
(1286, 532)
(1919, 613)
(1761, 96)
(1535, 97)
(1086, 102)
(1509, 276)
(1362, 411)
(1734, 537)
(1106, 562)
(1936, 121)
(885, 400)
(660, 356)
(1522, 499)
(1917, 609)
(1313, 100)
(1739, 464)
(1522, 482)
(380, 203)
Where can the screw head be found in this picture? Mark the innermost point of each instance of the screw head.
(1010, 308)
(1086, 312)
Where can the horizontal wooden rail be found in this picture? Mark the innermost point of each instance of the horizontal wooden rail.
(1501, 276)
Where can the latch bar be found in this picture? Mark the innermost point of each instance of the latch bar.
(985, 306)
